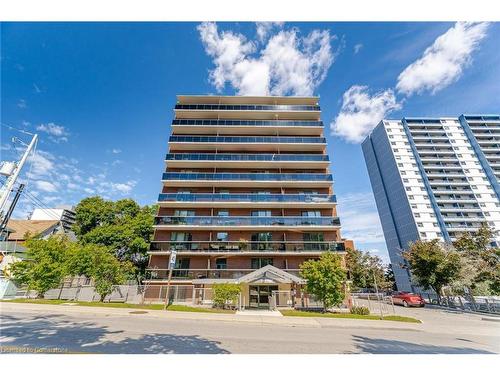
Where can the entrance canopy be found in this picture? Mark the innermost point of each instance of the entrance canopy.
(265, 275)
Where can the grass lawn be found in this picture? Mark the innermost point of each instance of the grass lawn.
(395, 318)
(121, 305)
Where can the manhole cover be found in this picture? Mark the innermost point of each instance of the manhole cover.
(138, 312)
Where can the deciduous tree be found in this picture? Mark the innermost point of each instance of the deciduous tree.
(325, 278)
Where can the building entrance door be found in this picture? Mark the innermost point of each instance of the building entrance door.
(259, 295)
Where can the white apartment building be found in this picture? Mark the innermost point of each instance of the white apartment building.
(434, 178)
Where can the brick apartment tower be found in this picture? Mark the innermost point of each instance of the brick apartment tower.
(247, 194)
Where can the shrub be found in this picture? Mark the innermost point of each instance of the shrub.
(225, 294)
(360, 310)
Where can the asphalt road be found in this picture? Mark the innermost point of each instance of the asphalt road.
(74, 329)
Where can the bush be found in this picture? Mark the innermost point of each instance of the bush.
(360, 310)
(225, 294)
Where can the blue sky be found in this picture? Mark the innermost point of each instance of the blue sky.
(100, 95)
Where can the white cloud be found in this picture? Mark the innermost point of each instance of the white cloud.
(46, 186)
(264, 28)
(358, 48)
(22, 104)
(287, 64)
(57, 132)
(444, 61)
(116, 151)
(359, 218)
(361, 112)
(42, 164)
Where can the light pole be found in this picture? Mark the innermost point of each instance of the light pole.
(171, 265)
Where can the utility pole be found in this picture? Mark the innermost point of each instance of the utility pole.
(13, 174)
(171, 265)
(3, 224)
(378, 297)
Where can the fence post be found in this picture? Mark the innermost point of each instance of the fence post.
(487, 304)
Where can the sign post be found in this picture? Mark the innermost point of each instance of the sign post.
(171, 265)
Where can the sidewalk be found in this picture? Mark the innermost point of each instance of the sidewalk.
(12, 308)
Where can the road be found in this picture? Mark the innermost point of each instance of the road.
(76, 329)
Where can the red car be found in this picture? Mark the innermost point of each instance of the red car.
(407, 299)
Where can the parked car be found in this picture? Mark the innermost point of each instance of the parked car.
(407, 299)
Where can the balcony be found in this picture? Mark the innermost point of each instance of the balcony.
(246, 200)
(245, 247)
(198, 160)
(262, 127)
(153, 274)
(247, 222)
(248, 111)
(248, 179)
(186, 142)
(246, 107)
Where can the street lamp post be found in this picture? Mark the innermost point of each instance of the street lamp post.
(171, 265)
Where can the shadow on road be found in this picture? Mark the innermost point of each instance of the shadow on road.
(52, 331)
(383, 346)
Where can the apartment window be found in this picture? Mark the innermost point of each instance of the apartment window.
(223, 213)
(261, 213)
(224, 191)
(417, 214)
(403, 172)
(420, 224)
(256, 263)
(222, 236)
(414, 206)
(181, 267)
(263, 192)
(180, 236)
(410, 196)
(221, 263)
(183, 213)
(405, 180)
(393, 143)
(311, 213)
(262, 237)
(400, 165)
(408, 188)
(184, 192)
(313, 237)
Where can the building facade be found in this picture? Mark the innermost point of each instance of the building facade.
(247, 194)
(66, 215)
(433, 178)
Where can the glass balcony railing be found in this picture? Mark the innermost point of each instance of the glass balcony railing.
(248, 176)
(246, 246)
(218, 197)
(208, 122)
(247, 221)
(211, 139)
(247, 157)
(247, 107)
(190, 273)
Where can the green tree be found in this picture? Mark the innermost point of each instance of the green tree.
(389, 277)
(364, 268)
(92, 212)
(481, 270)
(44, 267)
(433, 265)
(122, 226)
(107, 271)
(325, 278)
(225, 294)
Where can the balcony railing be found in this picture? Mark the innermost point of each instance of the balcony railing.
(220, 197)
(247, 107)
(246, 139)
(190, 273)
(247, 157)
(246, 122)
(247, 221)
(248, 176)
(246, 246)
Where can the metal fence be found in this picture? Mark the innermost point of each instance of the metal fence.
(282, 299)
(482, 304)
(378, 303)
